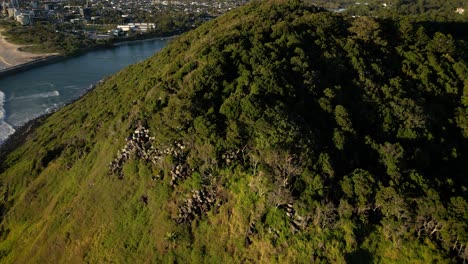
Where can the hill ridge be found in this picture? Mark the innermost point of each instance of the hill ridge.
(276, 133)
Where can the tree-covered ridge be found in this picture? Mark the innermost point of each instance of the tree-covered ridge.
(430, 10)
(275, 133)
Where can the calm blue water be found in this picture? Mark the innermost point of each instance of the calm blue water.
(29, 94)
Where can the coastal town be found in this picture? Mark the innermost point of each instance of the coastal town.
(121, 18)
(80, 25)
(108, 12)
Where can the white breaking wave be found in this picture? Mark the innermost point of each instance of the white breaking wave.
(2, 111)
(5, 129)
(52, 108)
(39, 95)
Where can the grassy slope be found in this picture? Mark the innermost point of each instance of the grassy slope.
(75, 210)
(62, 206)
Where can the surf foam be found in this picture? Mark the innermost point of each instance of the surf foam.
(38, 95)
(5, 129)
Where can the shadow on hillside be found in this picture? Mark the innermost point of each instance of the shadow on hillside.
(456, 29)
(359, 256)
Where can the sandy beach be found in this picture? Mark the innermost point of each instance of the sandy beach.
(10, 55)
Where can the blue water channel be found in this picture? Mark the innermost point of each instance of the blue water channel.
(29, 94)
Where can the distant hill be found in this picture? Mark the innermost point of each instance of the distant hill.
(449, 10)
(276, 133)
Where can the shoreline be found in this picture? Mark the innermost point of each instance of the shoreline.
(50, 59)
(23, 132)
(116, 44)
(20, 135)
(31, 64)
(13, 59)
(12, 55)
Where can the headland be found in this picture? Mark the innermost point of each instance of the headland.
(13, 59)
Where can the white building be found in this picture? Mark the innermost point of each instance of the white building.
(126, 28)
(143, 27)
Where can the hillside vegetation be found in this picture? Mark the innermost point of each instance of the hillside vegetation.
(276, 133)
(429, 10)
(45, 39)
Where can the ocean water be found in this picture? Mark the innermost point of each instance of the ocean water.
(30, 94)
(5, 128)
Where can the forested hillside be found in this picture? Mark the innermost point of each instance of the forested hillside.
(276, 133)
(423, 9)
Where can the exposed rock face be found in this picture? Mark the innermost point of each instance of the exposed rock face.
(181, 170)
(179, 173)
(200, 202)
(297, 222)
(230, 156)
(139, 145)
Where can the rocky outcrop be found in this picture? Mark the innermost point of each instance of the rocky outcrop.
(230, 156)
(139, 145)
(200, 202)
(180, 171)
(298, 222)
